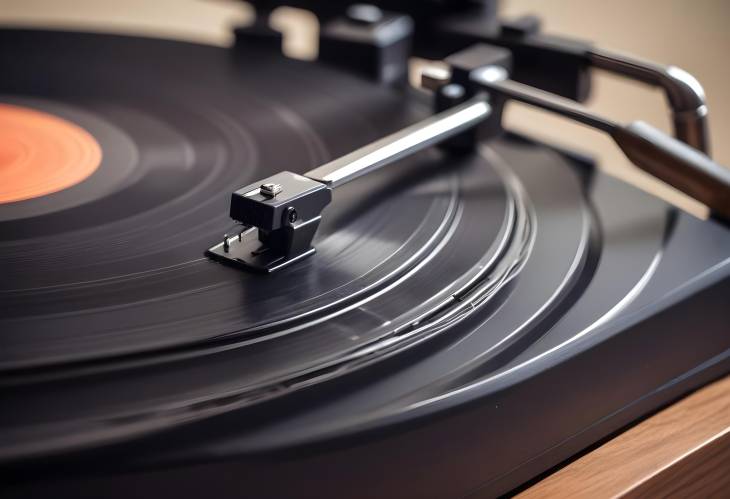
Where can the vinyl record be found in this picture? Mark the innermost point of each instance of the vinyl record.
(106, 279)
(114, 265)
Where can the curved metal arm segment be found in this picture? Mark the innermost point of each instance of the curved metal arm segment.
(684, 93)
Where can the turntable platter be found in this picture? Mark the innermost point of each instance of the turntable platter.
(123, 271)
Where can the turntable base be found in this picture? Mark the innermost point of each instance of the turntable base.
(481, 317)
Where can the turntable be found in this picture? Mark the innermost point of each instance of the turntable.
(229, 272)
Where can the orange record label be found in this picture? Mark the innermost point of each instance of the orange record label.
(41, 153)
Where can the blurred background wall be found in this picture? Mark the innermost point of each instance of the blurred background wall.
(690, 34)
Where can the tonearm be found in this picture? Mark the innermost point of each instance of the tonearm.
(279, 215)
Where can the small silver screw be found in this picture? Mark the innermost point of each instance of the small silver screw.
(270, 189)
(363, 13)
(291, 215)
(453, 91)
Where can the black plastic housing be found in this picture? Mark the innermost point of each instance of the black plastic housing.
(308, 197)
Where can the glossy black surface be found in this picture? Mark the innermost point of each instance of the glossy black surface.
(130, 261)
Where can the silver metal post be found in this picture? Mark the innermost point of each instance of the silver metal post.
(414, 138)
(684, 93)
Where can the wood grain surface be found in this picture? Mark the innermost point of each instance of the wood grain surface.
(682, 451)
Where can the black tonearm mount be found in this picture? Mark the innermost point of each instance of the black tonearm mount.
(279, 215)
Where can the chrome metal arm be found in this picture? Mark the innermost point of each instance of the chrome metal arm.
(423, 134)
(685, 95)
(495, 79)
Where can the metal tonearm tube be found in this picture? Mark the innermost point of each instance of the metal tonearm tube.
(414, 138)
(280, 215)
